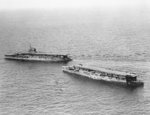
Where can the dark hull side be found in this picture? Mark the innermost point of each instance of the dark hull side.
(38, 59)
(135, 84)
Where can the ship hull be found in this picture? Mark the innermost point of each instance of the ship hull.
(105, 79)
(38, 59)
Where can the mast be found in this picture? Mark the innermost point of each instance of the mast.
(32, 49)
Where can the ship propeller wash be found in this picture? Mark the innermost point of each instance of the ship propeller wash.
(34, 55)
(104, 75)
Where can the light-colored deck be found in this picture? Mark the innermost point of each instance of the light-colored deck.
(106, 71)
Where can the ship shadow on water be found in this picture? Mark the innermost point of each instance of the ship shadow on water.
(103, 83)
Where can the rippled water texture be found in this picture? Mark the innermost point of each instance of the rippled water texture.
(114, 39)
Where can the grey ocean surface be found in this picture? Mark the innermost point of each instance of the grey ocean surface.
(114, 39)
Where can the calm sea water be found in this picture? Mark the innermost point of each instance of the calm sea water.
(114, 39)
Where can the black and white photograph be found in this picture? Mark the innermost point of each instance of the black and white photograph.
(74, 57)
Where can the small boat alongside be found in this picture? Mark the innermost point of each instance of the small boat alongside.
(104, 75)
(33, 55)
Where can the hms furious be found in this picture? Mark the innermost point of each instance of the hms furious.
(104, 75)
(34, 55)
